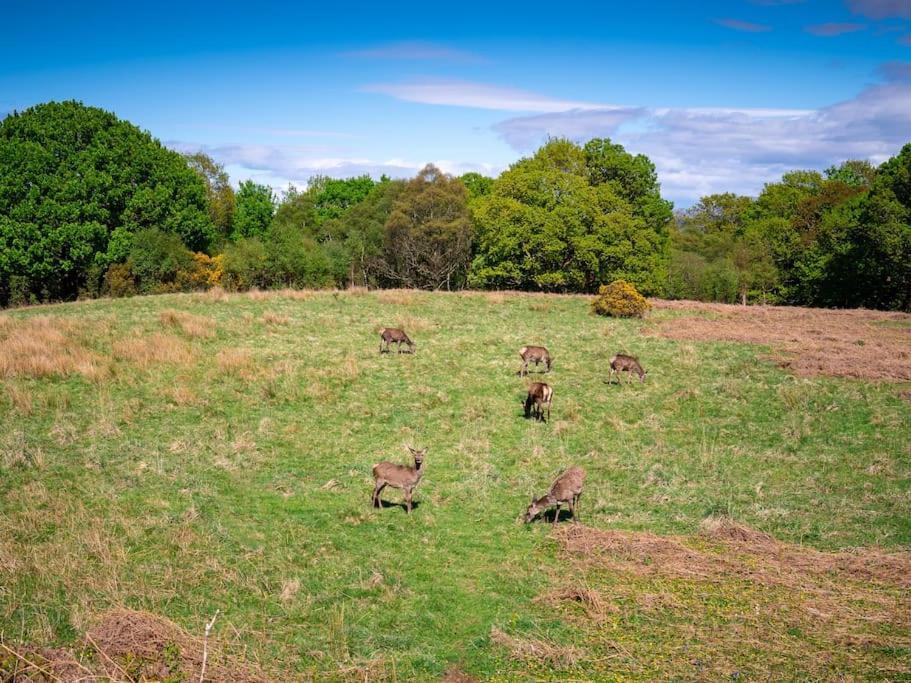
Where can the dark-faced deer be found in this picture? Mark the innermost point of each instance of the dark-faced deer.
(399, 477)
(536, 355)
(567, 488)
(538, 398)
(623, 363)
(393, 335)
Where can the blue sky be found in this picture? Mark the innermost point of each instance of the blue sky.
(722, 95)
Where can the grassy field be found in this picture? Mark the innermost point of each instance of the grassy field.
(182, 454)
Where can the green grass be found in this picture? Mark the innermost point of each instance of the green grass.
(249, 492)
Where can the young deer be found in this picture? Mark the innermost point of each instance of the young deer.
(623, 363)
(567, 488)
(536, 355)
(539, 397)
(390, 335)
(399, 477)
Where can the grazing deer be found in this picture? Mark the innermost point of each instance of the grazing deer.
(567, 488)
(539, 397)
(389, 335)
(399, 477)
(623, 363)
(536, 355)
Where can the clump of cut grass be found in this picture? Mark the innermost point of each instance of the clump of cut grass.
(47, 346)
(147, 350)
(536, 650)
(198, 326)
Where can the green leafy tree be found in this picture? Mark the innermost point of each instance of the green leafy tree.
(255, 208)
(156, 258)
(428, 233)
(477, 185)
(71, 175)
(219, 193)
(331, 197)
(550, 223)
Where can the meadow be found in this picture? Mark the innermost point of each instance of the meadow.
(746, 514)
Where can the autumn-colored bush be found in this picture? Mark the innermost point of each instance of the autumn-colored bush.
(119, 281)
(204, 272)
(620, 299)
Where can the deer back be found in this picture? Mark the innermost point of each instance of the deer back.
(534, 352)
(568, 484)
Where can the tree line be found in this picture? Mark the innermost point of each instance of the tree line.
(90, 205)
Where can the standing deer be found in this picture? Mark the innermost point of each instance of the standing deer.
(390, 335)
(629, 364)
(536, 355)
(539, 397)
(399, 477)
(567, 488)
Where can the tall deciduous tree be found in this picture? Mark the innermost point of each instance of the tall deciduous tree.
(71, 175)
(428, 233)
(562, 220)
(255, 208)
(219, 192)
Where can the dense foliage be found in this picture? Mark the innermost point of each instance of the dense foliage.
(70, 176)
(569, 219)
(91, 205)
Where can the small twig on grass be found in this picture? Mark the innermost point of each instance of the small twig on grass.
(105, 655)
(205, 646)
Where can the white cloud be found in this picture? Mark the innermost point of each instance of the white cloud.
(476, 95)
(701, 150)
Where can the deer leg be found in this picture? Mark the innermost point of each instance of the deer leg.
(557, 513)
(380, 485)
(408, 493)
(577, 497)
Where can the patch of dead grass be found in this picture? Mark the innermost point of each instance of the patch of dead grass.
(158, 347)
(808, 341)
(536, 650)
(238, 362)
(273, 318)
(198, 326)
(47, 346)
(129, 645)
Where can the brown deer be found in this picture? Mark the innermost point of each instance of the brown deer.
(390, 335)
(629, 364)
(567, 488)
(399, 477)
(539, 397)
(536, 355)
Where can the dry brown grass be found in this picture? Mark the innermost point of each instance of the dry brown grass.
(19, 397)
(536, 650)
(273, 318)
(401, 297)
(47, 346)
(191, 325)
(159, 347)
(807, 341)
(238, 362)
(128, 645)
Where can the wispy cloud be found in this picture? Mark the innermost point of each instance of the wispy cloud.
(704, 150)
(416, 51)
(476, 95)
(881, 9)
(281, 165)
(829, 30)
(739, 25)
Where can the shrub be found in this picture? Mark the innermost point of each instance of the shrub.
(620, 299)
(204, 272)
(119, 281)
(245, 265)
(156, 258)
